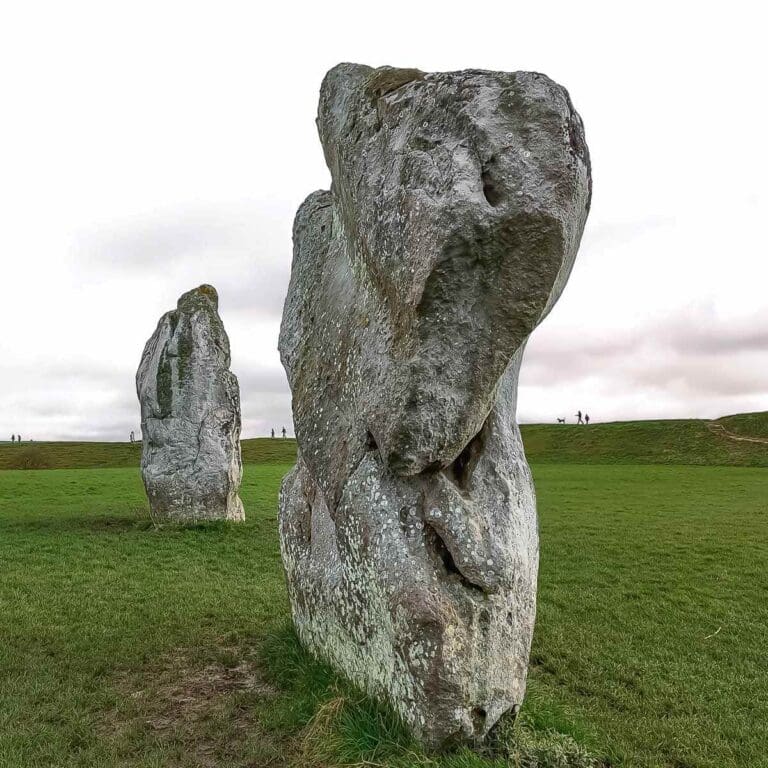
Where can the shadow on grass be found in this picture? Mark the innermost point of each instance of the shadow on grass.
(137, 521)
(121, 523)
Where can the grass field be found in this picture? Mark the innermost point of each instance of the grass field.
(122, 645)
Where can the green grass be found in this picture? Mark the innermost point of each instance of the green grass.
(264, 449)
(685, 441)
(122, 645)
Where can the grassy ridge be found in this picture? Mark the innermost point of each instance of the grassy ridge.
(265, 450)
(69, 455)
(747, 424)
(87, 455)
(684, 441)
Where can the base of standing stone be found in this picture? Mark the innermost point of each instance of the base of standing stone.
(435, 620)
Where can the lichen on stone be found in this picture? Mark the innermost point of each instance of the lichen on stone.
(408, 526)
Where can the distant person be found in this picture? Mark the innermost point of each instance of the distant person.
(273, 433)
(284, 433)
(13, 438)
(578, 416)
(586, 418)
(18, 439)
(132, 436)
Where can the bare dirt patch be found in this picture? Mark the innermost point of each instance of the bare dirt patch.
(719, 429)
(197, 705)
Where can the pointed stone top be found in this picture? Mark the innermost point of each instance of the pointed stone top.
(203, 292)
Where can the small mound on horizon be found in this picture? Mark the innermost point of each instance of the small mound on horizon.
(746, 424)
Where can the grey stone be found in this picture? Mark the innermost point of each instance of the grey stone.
(190, 415)
(408, 526)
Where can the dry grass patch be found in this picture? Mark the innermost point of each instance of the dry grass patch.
(199, 705)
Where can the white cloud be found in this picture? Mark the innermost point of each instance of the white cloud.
(151, 147)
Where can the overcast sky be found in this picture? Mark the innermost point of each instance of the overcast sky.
(147, 147)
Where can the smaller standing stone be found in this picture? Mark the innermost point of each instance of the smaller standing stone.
(190, 415)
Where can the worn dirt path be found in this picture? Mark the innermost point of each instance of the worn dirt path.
(719, 429)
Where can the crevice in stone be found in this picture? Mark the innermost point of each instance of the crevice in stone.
(459, 472)
(200, 438)
(441, 554)
(308, 523)
(425, 144)
(479, 716)
(493, 194)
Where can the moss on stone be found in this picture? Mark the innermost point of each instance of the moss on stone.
(164, 385)
(185, 350)
(387, 79)
(210, 292)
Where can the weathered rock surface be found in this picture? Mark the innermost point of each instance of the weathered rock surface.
(408, 526)
(190, 415)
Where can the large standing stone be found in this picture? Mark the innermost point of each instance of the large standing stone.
(190, 415)
(408, 526)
